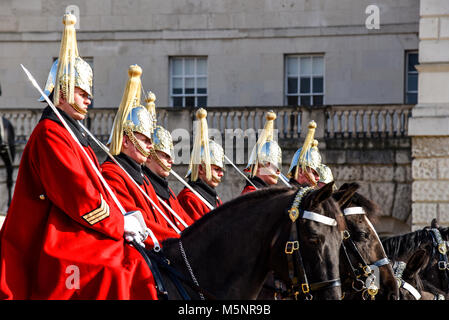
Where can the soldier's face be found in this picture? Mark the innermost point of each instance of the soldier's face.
(268, 173)
(81, 98)
(217, 174)
(155, 166)
(308, 176)
(132, 151)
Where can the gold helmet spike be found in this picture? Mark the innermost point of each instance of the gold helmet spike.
(66, 65)
(151, 106)
(200, 150)
(307, 144)
(130, 101)
(69, 70)
(266, 149)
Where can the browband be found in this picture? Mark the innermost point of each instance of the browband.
(319, 218)
(353, 210)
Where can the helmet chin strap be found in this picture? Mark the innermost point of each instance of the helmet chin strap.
(74, 105)
(136, 143)
(158, 160)
(78, 109)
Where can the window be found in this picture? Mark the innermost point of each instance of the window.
(304, 80)
(411, 78)
(188, 81)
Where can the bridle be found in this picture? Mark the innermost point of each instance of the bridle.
(361, 269)
(443, 265)
(299, 284)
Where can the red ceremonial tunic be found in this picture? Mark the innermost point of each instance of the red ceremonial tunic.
(166, 194)
(132, 198)
(259, 183)
(194, 207)
(63, 235)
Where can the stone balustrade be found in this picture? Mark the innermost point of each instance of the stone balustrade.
(332, 121)
(367, 144)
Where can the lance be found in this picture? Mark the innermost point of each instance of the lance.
(238, 170)
(283, 179)
(193, 190)
(105, 149)
(94, 167)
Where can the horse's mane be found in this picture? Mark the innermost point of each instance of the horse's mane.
(248, 198)
(373, 210)
(397, 246)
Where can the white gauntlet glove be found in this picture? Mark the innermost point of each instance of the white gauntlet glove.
(135, 227)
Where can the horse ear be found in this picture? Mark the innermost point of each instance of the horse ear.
(416, 263)
(434, 224)
(343, 196)
(324, 192)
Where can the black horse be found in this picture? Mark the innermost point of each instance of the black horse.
(228, 253)
(362, 250)
(8, 152)
(411, 285)
(433, 240)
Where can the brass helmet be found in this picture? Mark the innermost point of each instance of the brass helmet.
(306, 156)
(205, 151)
(266, 148)
(325, 173)
(69, 70)
(162, 141)
(131, 115)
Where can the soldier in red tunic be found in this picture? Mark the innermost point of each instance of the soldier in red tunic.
(157, 169)
(205, 171)
(305, 161)
(63, 235)
(130, 144)
(265, 160)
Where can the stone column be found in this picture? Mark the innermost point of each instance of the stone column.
(429, 124)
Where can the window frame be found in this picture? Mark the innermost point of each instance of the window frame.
(299, 75)
(406, 75)
(183, 77)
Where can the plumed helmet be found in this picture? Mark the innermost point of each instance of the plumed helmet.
(306, 156)
(325, 173)
(205, 152)
(69, 70)
(131, 115)
(266, 149)
(162, 141)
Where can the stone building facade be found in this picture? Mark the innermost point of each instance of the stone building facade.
(248, 46)
(429, 125)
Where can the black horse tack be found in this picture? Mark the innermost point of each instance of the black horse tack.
(229, 252)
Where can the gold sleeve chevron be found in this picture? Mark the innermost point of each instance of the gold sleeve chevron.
(98, 214)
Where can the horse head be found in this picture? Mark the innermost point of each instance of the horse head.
(362, 250)
(306, 256)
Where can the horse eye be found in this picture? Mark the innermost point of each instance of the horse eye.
(315, 240)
